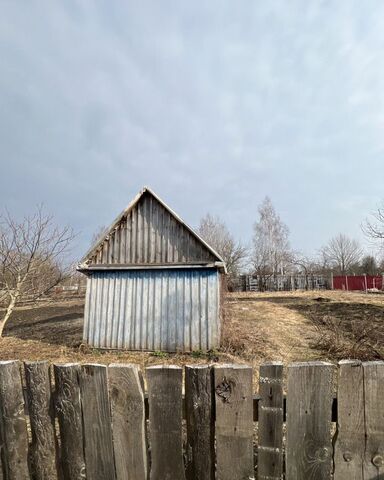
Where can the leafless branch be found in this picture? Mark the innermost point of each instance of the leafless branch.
(271, 250)
(32, 257)
(215, 232)
(342, 253)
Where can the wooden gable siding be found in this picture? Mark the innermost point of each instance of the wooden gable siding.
(150, 234)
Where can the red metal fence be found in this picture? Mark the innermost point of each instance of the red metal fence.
(357, 282)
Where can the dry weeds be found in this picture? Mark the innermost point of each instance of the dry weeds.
(287, 326)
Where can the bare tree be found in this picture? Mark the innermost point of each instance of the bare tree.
(369, 265)
(374, 227)
(306, 264)
(342, 253)
(215, 232)
(381, 266)
(32, 252)
(97, 234)
(271, 250)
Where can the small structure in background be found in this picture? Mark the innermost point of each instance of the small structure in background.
(153, 283)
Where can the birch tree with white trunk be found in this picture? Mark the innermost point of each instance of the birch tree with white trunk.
(272, 253)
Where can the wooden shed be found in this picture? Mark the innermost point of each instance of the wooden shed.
(153, 283)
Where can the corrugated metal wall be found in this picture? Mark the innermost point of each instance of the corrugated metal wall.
(150, 234)
(166, 310)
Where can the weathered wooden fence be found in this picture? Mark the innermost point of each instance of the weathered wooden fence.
(278, 283)
(96, 422)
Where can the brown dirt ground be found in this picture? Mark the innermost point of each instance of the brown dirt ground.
(257, 327)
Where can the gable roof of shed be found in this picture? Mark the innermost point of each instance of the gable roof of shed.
(88, 259)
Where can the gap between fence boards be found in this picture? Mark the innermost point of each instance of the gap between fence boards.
(256, 399)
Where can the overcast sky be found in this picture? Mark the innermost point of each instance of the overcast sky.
(214, 104)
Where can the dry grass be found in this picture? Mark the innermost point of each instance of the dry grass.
(287, 326)
(314, 325)
(54, 332)
(358, 342)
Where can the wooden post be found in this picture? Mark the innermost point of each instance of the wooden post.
(42, 417)
(200, 422)
(234, 422)
(13, 425)
(309, 408)
(350, 438)
(68, 410)
(365, 283)
(270, 436)
(346, 282)
(128, 421)
(165, 422)
(374, 420)
(99, 459)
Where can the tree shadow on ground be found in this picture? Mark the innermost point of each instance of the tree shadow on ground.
(350, 330)
(342, 310)
(53, 325)
(275, 299)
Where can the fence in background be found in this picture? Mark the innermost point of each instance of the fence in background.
(358, 282)
(57, 293)
(103, 433)
(275, 283)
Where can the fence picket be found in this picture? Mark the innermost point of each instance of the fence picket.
(270, 432)
(128, 422)
(200, 422)
(350, 439)
(165, 422)
(68, 411)
(13, 425)
(102, 422)
(99, 458)
(42, 418)
(234, 422)
(374, 420)
(309, 408)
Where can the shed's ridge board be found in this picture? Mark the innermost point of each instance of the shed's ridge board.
(149, 232)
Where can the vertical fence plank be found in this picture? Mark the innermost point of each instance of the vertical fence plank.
(128, 422)
(270, 433)
(98, 447)
(68, 410)
(13, 425)
(200, 422)
(165, 422)
(309, 409)
(42, 418)
(374, 420)
(350, 438)
(234, 422)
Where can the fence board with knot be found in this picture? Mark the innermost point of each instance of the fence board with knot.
(71, 421)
